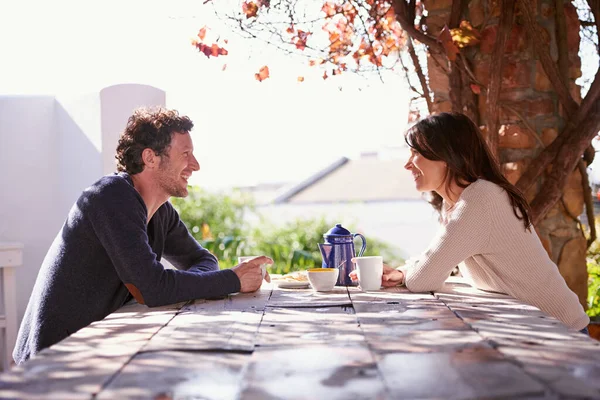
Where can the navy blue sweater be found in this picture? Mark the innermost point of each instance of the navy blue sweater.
(104, 254)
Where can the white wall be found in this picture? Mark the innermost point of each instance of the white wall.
(118, 103)
(30, 207)
(51, 148)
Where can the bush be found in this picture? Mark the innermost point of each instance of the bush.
(217, 221)
(593, 266)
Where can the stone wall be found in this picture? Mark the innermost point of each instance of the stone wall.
(526, 94)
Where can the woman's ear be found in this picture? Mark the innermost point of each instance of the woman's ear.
(149, 158)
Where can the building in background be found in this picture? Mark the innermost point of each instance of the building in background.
(373, 193)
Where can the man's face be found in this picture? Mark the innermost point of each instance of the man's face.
(177, 165)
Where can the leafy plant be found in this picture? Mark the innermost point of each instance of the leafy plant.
(593, 266)
(217, 222)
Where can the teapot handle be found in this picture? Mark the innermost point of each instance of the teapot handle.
(364, 243)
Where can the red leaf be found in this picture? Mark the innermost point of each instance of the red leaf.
(210, 51)
(325, 76)
(262, 74)
(446, 38)
(475, 88)
(250, 9)
(329, 9)
(202, 33)
(300, 39)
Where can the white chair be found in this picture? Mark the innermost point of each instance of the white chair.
(11, 256)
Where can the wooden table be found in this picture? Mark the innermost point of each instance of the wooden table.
(459, 343)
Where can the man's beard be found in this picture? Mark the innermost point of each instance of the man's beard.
(169, 184)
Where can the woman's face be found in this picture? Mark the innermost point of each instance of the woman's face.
(428, 175)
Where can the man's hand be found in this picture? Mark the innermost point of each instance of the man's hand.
(391, 277)
(250, 273)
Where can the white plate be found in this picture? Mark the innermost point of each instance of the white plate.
(291, 284)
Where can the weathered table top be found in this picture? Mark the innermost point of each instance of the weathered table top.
(459, 343)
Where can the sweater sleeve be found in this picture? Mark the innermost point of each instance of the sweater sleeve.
(182, 249)
(465, 234)
(118, 217)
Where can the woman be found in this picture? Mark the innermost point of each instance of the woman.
(486, 225)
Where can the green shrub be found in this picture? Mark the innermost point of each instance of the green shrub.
(593, 266)
(217, 221)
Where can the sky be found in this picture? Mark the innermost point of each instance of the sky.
(246, 132)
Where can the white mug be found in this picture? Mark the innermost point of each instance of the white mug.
(369, 270)
(263, 267)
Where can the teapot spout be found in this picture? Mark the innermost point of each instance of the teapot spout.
(325, 249)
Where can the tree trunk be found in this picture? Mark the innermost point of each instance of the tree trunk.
(527, 115)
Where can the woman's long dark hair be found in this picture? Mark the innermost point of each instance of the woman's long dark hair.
(456, 140)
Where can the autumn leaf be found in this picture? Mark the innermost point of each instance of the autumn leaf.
(475, 88)
(414, 116)
(445, 38)
(202, 33)
(465, 35)
(300, 39)
(210, 51)
(329, 9)
(325, 76)
(250, 9)
(262, 74)
(300, 79)
(349, 11)
(290, 29)
(224, 67)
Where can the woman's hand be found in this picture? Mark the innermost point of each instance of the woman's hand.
(391, 277)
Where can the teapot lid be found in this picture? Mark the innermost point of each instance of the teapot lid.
(338, 230)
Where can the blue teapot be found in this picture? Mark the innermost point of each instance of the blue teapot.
(338, 251)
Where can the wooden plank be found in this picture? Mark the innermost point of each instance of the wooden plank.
(287, 327)
(523, 330)
(214, 330)
(255, 301)
(78, 367)
(330, 372)
(396, 293)
(179, 375)
(309, 298)
(473, 373)
(569, 367)
(418, 309)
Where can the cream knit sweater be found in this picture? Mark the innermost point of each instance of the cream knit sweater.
(496, 253)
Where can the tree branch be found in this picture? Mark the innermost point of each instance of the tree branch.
(561, 39)
(588, 201)
(525, 122)
(455, 77)
(595, 8)
(562, 90)
(419, 71)
(567, 153)
(496, 67)
(408, 25)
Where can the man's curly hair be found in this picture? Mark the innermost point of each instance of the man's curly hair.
(148, 128)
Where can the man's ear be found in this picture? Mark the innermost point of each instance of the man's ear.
(149, 158)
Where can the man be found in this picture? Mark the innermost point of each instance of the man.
(110, 247)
